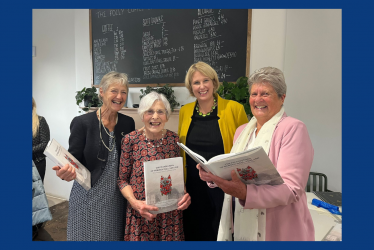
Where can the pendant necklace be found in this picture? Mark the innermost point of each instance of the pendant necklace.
(153, 144)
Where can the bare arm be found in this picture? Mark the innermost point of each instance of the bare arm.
(125, 170)
(138, 205)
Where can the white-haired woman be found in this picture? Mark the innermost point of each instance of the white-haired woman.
(153, 142)
(95, 140)
(40, 139)
(271, 213)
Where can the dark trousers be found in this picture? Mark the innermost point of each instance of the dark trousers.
(41, 168)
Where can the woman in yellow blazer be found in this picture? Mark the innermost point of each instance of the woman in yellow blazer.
(207, 127)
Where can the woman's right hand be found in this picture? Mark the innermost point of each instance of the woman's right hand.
(144, 209)
(66, 173)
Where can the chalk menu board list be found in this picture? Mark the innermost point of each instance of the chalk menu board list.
(159, 45)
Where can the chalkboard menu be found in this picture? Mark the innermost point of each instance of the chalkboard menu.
(157, 46)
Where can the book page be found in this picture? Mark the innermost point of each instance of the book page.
(219, 157)
(164, 183)
(252, 167)
(196, 157)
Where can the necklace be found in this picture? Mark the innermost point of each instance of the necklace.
(103, 123)
(157, 140)
(211, 110)
(114, 137)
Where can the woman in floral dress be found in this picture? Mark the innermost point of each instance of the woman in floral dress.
(148, 144)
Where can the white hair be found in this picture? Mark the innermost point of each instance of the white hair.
(147, 102)
(113, 77)
(270, 75)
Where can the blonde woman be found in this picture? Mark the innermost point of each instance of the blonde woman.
(207, 126)
(40, 139)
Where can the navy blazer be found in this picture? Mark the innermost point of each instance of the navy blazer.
(85, 143)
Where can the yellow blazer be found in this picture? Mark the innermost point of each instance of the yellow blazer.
(231, 114)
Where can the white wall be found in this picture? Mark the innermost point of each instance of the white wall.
(313, 70)
(268, 39)
(306, 44)
(54, 81)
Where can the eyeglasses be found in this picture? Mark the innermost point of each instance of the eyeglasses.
(159, 112)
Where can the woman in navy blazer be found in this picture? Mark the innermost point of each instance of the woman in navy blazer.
(95, 140)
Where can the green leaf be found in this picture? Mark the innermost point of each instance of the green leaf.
(247, 109)
(228, 97)
(89, 94)
(166, 90)
(240, 94)
(242, 82)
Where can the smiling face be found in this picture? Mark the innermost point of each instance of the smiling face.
(155, 123)
(114, 97)
(202, 87)
(264, 102)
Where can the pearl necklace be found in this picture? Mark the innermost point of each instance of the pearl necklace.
(211, 110)
(157, 140)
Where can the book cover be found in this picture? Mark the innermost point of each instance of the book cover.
(60, 156)
(252, 166)
(333, 198)
(164, 183)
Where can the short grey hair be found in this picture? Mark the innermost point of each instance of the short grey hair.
(113, 77)
(147, 102)
(270, 75)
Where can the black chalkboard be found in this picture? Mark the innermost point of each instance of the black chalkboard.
(157, 46)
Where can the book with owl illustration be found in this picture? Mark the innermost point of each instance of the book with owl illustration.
(164, 183)
(252, 166)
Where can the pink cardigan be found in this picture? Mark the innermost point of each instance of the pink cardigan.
(287, 214)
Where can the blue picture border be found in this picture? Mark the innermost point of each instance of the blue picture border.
(357, 87)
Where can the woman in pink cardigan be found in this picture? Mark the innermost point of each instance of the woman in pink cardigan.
(271, 213)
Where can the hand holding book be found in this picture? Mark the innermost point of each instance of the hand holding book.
(144, 209)
(234, 187)
(67, 166)
(252, 166)
(66, 173)
(185, 201)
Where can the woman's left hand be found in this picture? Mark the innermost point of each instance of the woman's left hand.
(235, 187)
(205, 176)
(184, 202)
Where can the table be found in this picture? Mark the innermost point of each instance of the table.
(323, 220)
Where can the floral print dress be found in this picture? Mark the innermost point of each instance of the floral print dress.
(135, 151)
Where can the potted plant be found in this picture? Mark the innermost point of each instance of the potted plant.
(89, 97)
(166, 90)
(237, 92)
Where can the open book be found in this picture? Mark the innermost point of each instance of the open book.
(252, 166)
(164, 183)
(60, 156)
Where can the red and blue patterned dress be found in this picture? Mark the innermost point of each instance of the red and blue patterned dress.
(136, 149)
